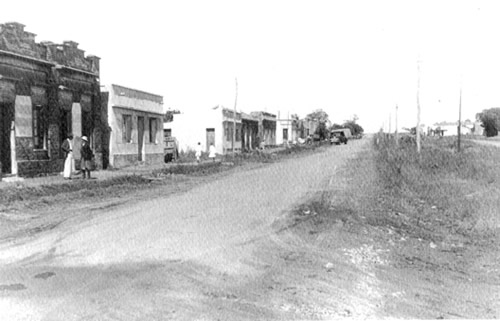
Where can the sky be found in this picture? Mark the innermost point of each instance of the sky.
(347, 58)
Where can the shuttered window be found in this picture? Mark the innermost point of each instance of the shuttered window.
(153, 130)
(127, 129)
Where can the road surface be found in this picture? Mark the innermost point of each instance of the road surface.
(162, 258)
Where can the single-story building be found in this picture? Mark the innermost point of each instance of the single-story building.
(249, 132)
(307, 127)
(207, 126)
(267, 127)
(47, 91)
(135, 120)
(450, 129)
(286, 130)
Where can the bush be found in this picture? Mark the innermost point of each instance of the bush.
(438, 178)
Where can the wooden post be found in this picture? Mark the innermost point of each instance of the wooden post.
(459, 117)
(418, 106)
(390, 129)
(397, 138)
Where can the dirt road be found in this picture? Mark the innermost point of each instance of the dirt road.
(165, 258)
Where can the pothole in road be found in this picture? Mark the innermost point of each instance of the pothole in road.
(44, 275)
(12, 287)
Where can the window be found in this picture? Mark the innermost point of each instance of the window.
(127, 129)
(39, 128)
(167, 132)
(153, 128)
(238, 137)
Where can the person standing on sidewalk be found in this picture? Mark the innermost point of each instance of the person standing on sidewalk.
(67, 148)
(198, 152)
(87, 155)
(212, 152)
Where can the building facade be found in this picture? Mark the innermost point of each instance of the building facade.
(286, 130)
(249, 132)
(47, 91)
(267, 127)
(207, 126)
(135, 119)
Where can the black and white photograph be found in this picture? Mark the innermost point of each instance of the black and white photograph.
(249, 160)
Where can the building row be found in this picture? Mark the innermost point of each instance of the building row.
(229, 130)
(49, 91)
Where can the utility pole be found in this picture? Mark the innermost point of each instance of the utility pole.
(418, 106)
(459, 116)
(234, 117)
(390, 116)
(397, 138)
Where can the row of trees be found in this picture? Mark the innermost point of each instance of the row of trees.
(324, 128)
(490, 119)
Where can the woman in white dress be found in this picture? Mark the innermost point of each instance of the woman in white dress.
(211, 152)
(67, 148)
(198, 152)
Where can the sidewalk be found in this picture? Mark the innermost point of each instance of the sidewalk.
(57, 178)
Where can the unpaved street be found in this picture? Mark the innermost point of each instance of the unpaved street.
(307, 238)
(164, 257)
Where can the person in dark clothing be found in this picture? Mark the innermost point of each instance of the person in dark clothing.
(87, 155)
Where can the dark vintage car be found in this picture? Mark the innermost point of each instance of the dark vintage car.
(338, 138)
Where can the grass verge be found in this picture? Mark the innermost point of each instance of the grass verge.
(100, 188)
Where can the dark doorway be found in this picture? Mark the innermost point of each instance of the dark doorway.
(210, 138)
(65, 126)
(6, 118)
(140, 136)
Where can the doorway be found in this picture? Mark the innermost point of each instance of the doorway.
(140, 137)
(65, 127)
(6, 118)
(210, 138)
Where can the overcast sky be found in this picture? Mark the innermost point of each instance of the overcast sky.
(345, 57)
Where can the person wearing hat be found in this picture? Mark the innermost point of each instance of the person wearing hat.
(67, 148)
(87, 155)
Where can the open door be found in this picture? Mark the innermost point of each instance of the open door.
(210, 138)
(6, 118)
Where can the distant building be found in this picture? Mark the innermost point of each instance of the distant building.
(136, 121)
(267, 127)
(47, 91)
(249, 132)
(307, 127)
(286, 130)
(207, 126)
(451, 128)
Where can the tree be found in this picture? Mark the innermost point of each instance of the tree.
(321, 130)
(319, 115)
(336, 126)
(355, 128)
(169, 115)
(490, 119)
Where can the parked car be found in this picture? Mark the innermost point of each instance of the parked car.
(171, 149)
(338, 138)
